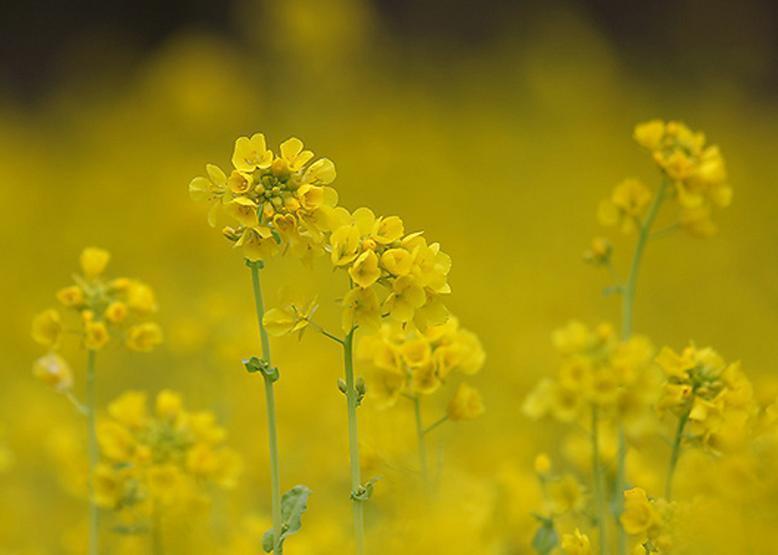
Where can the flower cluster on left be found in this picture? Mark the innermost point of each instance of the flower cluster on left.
(106, 308)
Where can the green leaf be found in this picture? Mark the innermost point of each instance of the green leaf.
(293, 504)
(546, 538)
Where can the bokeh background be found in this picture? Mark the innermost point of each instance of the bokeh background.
(496, 127)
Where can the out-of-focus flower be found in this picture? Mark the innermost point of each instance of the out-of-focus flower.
(626, 205)
(466, 404)
(54, 370)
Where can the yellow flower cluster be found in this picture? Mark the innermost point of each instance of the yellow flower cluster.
(391, 274)
(276, 203)
(647, 522)
(597, 369)
(694, 168)
(106, 308)
(716, 397)
(410, 362)
(161, 457)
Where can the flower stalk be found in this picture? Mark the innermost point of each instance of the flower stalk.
(93, 453)
(627, 310)
(275, 478)
(682, 420)
(357, 500)
(599, 481)
(420, 433)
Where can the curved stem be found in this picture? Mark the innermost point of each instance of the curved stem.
(353, 443)
(420, 431)
(270, 404)
(682, 420)
(435, 424)
(93, 453)
(599, 482)
(627, 309)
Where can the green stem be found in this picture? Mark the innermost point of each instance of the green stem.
(91, 407)
(631, 285)
(627, 309)
(156, 530)
(353, 443)
(275, 476)
(420, 436)
(599, 483)
(435, 424)
(682, 420)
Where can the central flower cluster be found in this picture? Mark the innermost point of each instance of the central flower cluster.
(275, 203)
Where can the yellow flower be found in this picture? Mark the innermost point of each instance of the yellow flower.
(639, 514)
(599, 253)
(109, 485)
(53, 370)
(71, 296)
(239, 182)
(650, 134)
(293, 154)
(364, 271)
(144, 337)
(542, 464)
(169, 404)
(164, 482)
(210, 189)
(257, 243)
(344, 242)
(424, 379)
(576, 543)
(251, 154)
(129, 409)
(95, 335)
(397, 261)
(566, 495)
(416, 352)
(405, 298)
(116, 441)
(388, 230)
(466, 404)
(94, 261)
(116, 312)
(626, 205)
(140, 298)
(321, 172)
(361, 308)
(243, 210)
(47, 328)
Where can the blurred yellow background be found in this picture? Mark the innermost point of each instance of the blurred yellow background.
(499, 148)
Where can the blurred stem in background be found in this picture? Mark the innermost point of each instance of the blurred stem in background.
(358, 497)
(275, 478)
(599, 482)
(682, 420)
(627, 310)
(420, 432)
(91, 408)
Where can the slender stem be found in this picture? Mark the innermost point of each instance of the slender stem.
(599, 483)
(79, 406)
(631, 285)
(156, 530)
(353, 443)
(275, 476)
(627, 309)
(420, 432)
(435, 424)
(91, 407)
(682, 420)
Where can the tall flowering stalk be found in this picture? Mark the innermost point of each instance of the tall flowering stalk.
(275, 205)
(392, 277)
(104, 309)
(614, 376)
